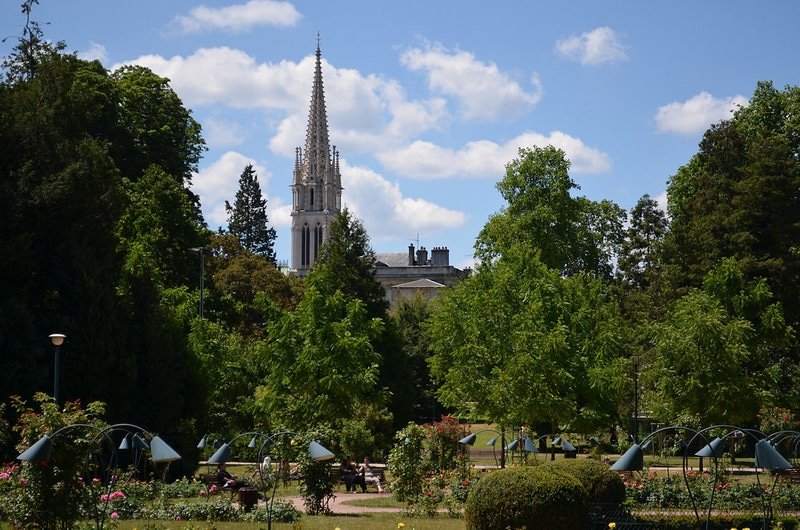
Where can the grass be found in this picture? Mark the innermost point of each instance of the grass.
(386, 501)
(377, 521)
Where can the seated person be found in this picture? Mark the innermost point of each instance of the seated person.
(351, 476)
(226, 480)
(366, 471)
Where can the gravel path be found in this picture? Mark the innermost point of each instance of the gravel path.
(339, 503)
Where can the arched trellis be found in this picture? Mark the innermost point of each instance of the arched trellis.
(315, 450)
(766, 457)
(41, 451)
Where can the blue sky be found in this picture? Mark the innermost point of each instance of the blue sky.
(427, 100)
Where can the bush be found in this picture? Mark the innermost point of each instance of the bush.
(602, 484)
(196, 511)
(524, 497)
(282, 512)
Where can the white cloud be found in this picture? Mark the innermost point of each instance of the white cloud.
(696, 114)
(222, 133)
(366, 112)
(483, 91)
(219, 182)
(487, 159)
(662, 201)
(240, 17)
(386, 213)
(94, 52)
(601, 45)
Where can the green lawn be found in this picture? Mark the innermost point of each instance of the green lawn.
(378, 521)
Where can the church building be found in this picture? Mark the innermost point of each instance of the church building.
(317, 198)
(316, 183)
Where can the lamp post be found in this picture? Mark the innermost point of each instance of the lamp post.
(635, 419)
(57, 339)
(202, 251)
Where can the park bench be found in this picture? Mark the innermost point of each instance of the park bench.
(338, 479)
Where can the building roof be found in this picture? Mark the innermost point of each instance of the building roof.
(423, 283)
(391, 259)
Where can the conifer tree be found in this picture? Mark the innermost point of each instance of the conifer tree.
(247, 218)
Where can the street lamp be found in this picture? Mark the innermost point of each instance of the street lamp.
(635, 419)
(57, 339)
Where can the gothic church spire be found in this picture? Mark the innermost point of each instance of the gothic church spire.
(316, 183)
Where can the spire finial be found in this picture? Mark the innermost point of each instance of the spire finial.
(318, 39)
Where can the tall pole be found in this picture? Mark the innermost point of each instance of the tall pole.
(202, 252)
(57, 339)
(502, 448)
(202, 277)
(635, 424)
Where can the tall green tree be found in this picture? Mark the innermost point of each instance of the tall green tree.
(247, 218)
(94, 227)
(238, 277)
(347, 263)
(409, 317)
(572, 234)
(722, 353)
(523, 343)
(641, 251)
(738, 198)
(322, 362)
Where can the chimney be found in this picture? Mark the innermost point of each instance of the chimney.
(411, 255)
(440, 257)
(422, 256)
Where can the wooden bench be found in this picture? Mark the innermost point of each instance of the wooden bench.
(210, 479)
(338, 479)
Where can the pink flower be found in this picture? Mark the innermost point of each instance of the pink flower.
(177, 517)
(117, 495)
(114, 515)
(203, 493)
(95, 480)
(213, 488)
(105, 497)
(4, 476)
(23, 481)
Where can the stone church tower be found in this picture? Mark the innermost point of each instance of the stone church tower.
(316, 183)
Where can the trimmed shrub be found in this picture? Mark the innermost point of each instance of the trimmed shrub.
(602, 484)
(524, 497)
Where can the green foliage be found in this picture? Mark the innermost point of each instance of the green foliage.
(217, 510)
(408, 317)
(322, 361)
(50, 494)
(317, 485)
(571, 234)
(283, 511)
(719, 351)
(524, 497)
(356, 438)
(96, 212)
(641, 251)
(528, 344)
(247, 218)
(736, 198)
(347, 263)
(406, 462)
(602, 485)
